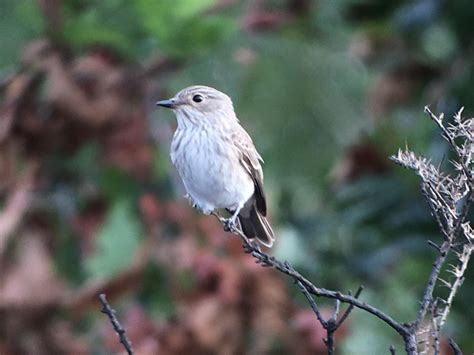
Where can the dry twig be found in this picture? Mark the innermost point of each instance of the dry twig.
(449, 198)
(106, 309)
(309, 290)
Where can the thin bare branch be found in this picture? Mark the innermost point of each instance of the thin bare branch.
(350, 308)
(454, 347)
(312, 303)
(106, 309)
(459, 278)
(428, 293)
(449, 137)
(267, 260)
(449, 198)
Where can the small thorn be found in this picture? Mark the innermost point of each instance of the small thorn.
(336, 310)
(434, 245)
(445, 283)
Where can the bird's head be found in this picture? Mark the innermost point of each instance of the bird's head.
(199, 104)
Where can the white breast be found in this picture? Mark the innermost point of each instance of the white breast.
(208, 164)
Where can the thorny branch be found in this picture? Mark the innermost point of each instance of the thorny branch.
(449, 133)
(449, 198)
(309, 290)
(454, 347)
(106, 309)
(332, 324)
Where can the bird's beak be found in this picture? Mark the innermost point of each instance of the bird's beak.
(171, 103)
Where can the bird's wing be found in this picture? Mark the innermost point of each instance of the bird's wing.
(250, 160)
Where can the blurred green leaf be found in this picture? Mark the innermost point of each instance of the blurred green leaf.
(155, 291)
(116, 242)
(368, 335)
(83, 163)
(291, 247)
(112, 23)
(439, 42)
(68, 255)
(300, 101)
(162, 17)
(115, 184)
(20, 21)
(181, 27)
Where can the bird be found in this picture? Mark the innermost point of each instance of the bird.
(217, 160)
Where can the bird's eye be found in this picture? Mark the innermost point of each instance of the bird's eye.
(197, 98)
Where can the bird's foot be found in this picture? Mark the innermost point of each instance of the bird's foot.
(229, 224)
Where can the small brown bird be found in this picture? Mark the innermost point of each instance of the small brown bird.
(217, 160)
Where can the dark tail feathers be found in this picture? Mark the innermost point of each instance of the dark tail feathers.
(256, 226)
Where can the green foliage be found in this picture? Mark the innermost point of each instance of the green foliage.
(116, 242)
(326, 88)
(155, 292)
(116, 184)
(82, 164)
(292, 248)
(439, 43)
(135, 29)
(68, 256)
(181, 28)
(368, 335)
(160, 164)
(19, 21)
(111, 23)
(316, 93)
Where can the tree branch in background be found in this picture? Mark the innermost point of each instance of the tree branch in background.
(106, 309)
(449, 198)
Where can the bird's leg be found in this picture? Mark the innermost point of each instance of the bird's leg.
(229, 223)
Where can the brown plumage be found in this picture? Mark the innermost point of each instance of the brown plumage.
(217, 160)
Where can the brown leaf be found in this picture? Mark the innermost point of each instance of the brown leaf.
(359, 160)
(125, 146)
(150, 208)
(17, 91)
(31, 280)
(216, 327)
(265, 20)
(396, 87)
(17, 203)
(88, 223)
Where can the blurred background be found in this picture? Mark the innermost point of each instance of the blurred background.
(327, 89)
